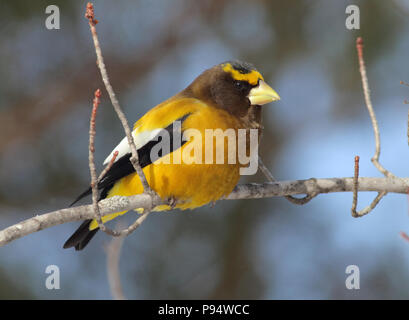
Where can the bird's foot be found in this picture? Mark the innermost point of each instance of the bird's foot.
(172, 202)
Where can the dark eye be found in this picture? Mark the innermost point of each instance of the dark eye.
(239, 84)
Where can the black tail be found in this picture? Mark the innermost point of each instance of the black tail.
(81, 236)
(121, 168)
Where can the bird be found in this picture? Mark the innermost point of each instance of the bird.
(226, 96)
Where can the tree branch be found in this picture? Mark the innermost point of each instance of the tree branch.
(246, 191)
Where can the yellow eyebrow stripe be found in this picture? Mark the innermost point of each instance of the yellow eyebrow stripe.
(253, 77)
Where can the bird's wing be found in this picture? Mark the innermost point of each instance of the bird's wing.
(140, 139)
(150, 126)
(123, 166)
(146, 132)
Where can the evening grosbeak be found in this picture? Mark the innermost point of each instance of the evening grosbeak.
(227, 96)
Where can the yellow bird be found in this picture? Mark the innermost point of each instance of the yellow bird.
(178, 159)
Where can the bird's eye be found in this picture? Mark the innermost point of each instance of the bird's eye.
(239, 85)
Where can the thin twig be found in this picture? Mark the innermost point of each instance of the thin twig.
(355, 191)
(113, 252)
(365, 85)
(108, 167)
(101, 65)
(270, 177)
(91, 162)
(367, 209)
(375, 158)
(403, 234)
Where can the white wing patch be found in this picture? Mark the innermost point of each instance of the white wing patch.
(140, 140)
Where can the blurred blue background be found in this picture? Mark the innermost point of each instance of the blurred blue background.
(257, 249)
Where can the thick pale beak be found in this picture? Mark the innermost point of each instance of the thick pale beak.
(262, 94)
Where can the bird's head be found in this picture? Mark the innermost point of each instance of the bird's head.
(234, 86)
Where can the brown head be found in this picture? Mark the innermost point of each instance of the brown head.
(234, 86)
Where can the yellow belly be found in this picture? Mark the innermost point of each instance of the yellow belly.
(195, 185)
